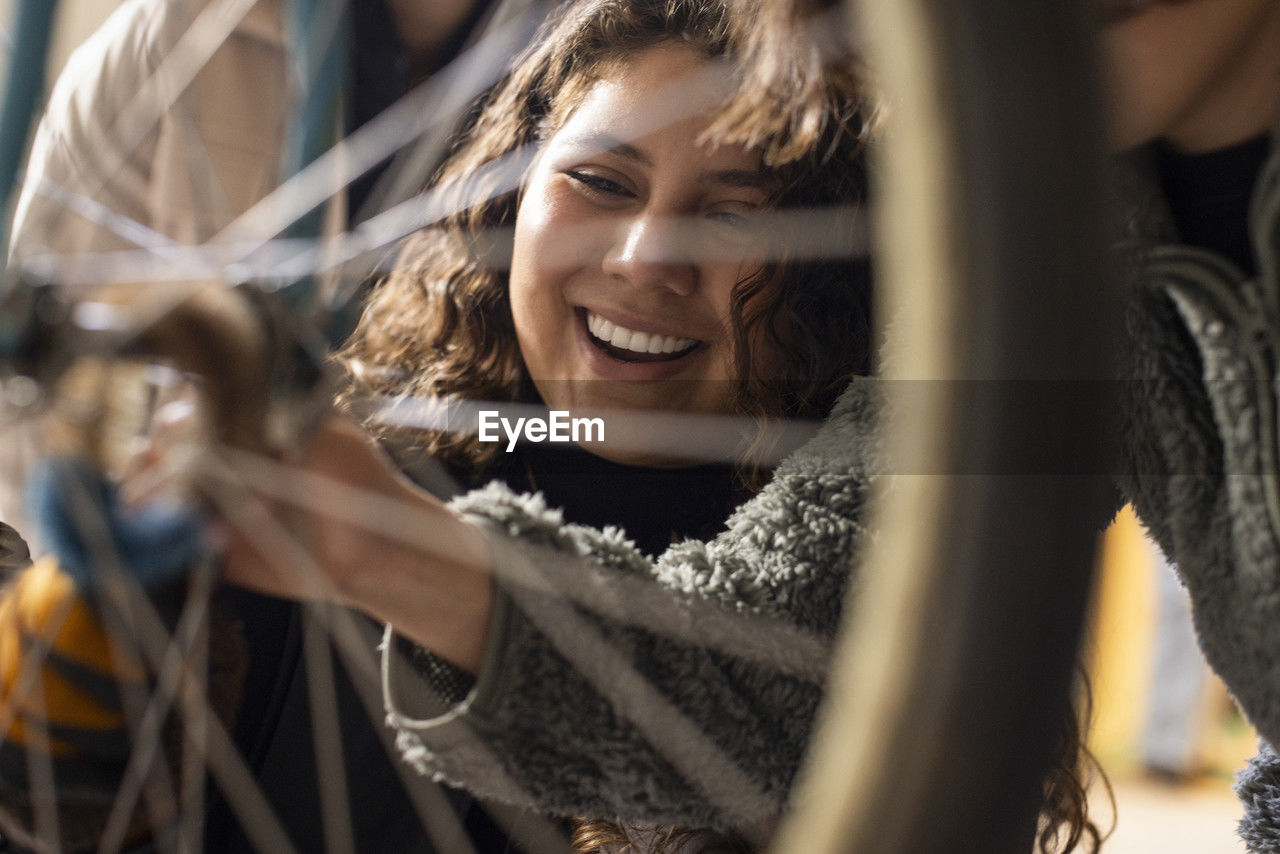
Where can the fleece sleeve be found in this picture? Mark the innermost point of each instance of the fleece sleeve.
(681, 690)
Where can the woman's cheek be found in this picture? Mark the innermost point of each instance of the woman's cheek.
(548, 232)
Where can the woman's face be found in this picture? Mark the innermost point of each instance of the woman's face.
(628, 244)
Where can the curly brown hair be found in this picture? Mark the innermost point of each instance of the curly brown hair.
(440, 325)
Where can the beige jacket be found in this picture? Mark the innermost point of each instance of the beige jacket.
(148, 129)
(149, 137)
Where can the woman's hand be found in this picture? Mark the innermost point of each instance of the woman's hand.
(340, 523)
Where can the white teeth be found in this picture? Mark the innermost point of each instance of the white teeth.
(637, 342)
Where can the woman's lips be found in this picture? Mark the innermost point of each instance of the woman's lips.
(623, 363)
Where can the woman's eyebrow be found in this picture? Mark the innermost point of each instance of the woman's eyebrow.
(605, 144)
(745, 179)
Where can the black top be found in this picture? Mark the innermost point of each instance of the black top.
(274, 732)
(654, 506)
(1208, 195)
(382, 72)
(380, 76)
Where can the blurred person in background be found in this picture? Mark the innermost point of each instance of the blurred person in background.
(98, 180)
(1194, 95)
(96, 183)
(1177, 695)
(1193, 89)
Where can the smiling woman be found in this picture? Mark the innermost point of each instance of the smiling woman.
(642, 216)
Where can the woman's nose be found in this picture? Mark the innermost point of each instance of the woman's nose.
(650, 250)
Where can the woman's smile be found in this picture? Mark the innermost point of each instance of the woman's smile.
(630, 359)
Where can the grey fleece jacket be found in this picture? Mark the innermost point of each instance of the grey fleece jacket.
(1204, 459)
(680, 690)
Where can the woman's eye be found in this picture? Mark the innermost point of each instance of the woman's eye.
(737, 218)
(598, 183)
(730, 218)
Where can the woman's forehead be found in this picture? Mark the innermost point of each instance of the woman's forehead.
(661, 98)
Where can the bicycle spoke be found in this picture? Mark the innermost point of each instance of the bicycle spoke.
(146, 632)
(680, 741)
(330, 770)
(43, 794)
(214, 208)
(235, 781)
(677, 739)
(797, 235)
(421, 111)
(93, 529)
(534, 833)
(356, 648)
(190, 626)
(99, 214)
(195, 724)
(694, 92)
(232, 774)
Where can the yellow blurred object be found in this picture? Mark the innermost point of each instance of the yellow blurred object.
(1119, 649)
(43, 609)
(1119, 641)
